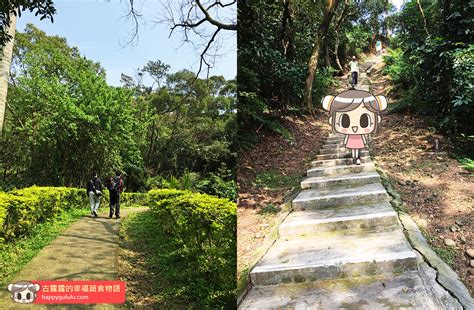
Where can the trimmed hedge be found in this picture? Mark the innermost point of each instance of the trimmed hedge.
(133, 199)
(158, 198)
(23, 209)
(206, 227)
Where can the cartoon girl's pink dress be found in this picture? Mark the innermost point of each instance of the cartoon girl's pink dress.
(355, 142)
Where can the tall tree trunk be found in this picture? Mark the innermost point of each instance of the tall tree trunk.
(336, 53)
(326, 53)
(422, 13)
(313, 59)
(5, 64)
(287, 33)
(340, 19)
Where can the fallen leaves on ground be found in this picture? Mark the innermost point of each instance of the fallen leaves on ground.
(436, 191)
(286, 161)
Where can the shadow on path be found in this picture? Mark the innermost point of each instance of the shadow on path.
(87, 250)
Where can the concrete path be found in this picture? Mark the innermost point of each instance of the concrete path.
(343, 247)
(87, 250)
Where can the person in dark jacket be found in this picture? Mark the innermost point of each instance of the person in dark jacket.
(112, 195)
(94, 191)
(116, 189)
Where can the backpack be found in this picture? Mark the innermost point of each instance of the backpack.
(116, 184)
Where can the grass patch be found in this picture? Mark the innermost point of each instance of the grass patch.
(448, 254)
(274, 180)
(269, 209)
(14, 256)
(145, 248)
(467, 163)
(160, 274)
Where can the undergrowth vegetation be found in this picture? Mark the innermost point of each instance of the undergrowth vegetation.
(15, 255)
(189, 236)
(189, 248)
(432, 67)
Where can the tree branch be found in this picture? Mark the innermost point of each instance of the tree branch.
(214, 22)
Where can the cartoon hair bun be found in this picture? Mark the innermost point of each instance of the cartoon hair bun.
(326, 102)
(382, 102)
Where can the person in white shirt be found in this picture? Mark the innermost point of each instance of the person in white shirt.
(354, 65)
(378, 47)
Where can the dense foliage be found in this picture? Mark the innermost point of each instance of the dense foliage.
(433, 67)
(64, 122)
(21, 210)
(42, 8)
(197, 233)
(275, 43)
(202, 229)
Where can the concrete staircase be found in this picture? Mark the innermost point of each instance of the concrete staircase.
(342, 229)
(342, 225)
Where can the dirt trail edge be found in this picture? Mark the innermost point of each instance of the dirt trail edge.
(343, 245)
(87, 250)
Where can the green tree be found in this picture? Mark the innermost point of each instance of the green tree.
(8, 14)
(190, 124)
(6, 59)
(65, 121)
(433, 67)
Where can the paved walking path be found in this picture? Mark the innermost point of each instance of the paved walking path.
(343, 245)
(87, 250)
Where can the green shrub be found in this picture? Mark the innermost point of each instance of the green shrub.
(133, 199)
(25, 208)
(21, 210)
(155, 196)
(206, 229)
(4, 199)
(216, 185)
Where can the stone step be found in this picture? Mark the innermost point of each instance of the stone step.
(347, 154)
(338, 150)
(320, 198)
(333, 145)
(358, 217)
(317, 257)
(340, 170)
(335, 140)
(347, 180)
(336, 162)
(408, 290)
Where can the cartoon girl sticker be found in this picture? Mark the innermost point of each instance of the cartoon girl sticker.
(356, 114)
(23, 292)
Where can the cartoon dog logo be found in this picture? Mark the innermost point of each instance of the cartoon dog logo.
(356, 115)
(23, 292)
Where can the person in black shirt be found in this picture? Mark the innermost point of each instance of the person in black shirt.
(115, 188)
(94, 191)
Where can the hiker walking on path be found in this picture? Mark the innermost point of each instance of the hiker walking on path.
(354, 65)
(115, 189)
(94, 191)
(378, 47)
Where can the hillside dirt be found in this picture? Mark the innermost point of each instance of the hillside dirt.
(436, 191)
(267, 174)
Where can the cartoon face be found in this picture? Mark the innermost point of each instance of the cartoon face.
(23, 292)
(354, 112)
(356, 122)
